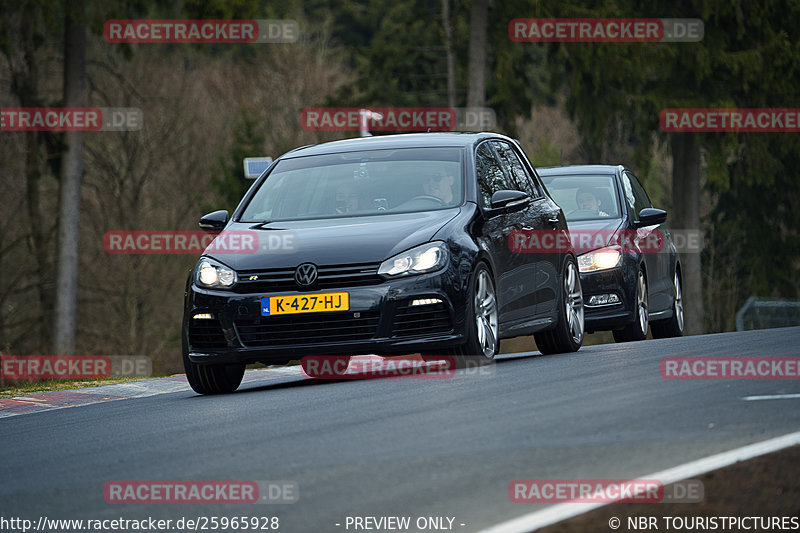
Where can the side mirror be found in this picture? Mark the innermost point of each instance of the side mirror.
(650, 216)
(214, 221)
(509, 200)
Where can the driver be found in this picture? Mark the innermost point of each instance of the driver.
(440, 185)
(587, 201)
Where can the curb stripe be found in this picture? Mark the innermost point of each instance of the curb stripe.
(563, 511)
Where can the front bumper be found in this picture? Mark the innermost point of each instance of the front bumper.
(380, 320)
(620, 281)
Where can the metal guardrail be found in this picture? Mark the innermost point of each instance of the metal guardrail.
(762, 314)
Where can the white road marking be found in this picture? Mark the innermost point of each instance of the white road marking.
(563, 511)
(771, 397)
(27, 399)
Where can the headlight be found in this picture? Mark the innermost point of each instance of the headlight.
(601, 259)
(212, 274)
(426, 258)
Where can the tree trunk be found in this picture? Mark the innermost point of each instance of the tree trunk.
(451, 57)
(71, 175)
(686, 216)
(25, 85)
(476, 95)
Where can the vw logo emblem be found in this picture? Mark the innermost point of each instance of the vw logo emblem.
(306, 274)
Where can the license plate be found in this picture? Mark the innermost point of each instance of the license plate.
(305, 303)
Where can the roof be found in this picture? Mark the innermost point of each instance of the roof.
(405, 140)
(569, 170)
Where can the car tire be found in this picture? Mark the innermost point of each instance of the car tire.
(637, 330)
(568, 334)
(482, 327)
(210, 378)
(672, 326)
(337, 364)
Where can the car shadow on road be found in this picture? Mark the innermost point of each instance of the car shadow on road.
(300, 380)
(287, 383)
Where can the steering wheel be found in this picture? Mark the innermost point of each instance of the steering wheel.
(428, 197)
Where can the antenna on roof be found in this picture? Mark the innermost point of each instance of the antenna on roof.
(364, 116)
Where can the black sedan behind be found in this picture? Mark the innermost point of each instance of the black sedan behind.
(629, 266)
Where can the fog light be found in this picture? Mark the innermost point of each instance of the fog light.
(426, 301)
(604, 299)
(203, 316)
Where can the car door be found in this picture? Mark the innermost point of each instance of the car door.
(542, 215)
(515, 272)
(656, 256)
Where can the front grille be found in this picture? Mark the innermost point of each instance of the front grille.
(331, 276)
(421, 319)
(308, 329)
(206, 333)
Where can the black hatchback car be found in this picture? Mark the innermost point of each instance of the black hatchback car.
(383, 245)
(629, 265)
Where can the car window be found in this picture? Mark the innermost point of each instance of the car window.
(635, 194)
(520, 176)
(570, 193)
(362, 183)
(491, 177)
(629, 199)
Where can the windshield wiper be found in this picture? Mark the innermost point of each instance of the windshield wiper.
(260, 225)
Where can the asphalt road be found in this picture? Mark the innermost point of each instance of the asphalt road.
(401, 447)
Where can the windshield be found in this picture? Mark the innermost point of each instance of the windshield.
(372, 182)
(584, 197)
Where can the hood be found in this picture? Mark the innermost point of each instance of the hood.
(588, 235)
(327, 241)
